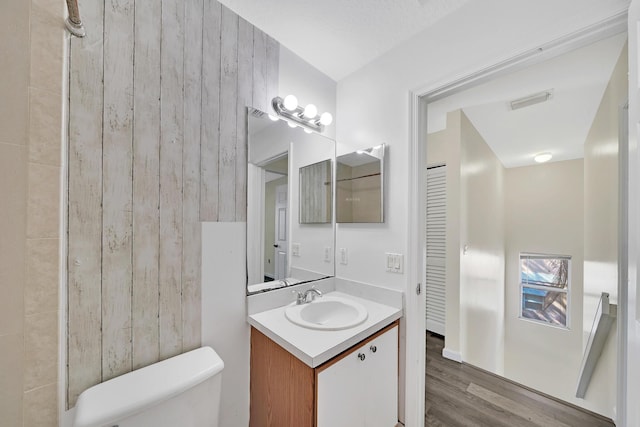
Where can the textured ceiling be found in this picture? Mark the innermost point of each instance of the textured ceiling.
(560, 125)
(340, 36)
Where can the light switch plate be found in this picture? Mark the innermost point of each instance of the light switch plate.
(295, 249)
(344, 256)
(394, 262)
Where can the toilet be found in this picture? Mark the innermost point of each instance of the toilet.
(181, 391)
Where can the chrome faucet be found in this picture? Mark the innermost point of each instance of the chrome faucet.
(303, 297)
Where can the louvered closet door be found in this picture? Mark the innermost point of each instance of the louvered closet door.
(436, 247)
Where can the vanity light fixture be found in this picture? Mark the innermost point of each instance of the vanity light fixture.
(305, 117)
(543, 157)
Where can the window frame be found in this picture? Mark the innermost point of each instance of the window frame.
(567, 291)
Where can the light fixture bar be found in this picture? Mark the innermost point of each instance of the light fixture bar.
(536, 98)
(297, 116)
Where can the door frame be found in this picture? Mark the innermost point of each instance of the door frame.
(419, 99)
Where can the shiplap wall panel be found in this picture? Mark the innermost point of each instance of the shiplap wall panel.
(176, 90)
(228, 114)
(117, 135)
(84, 263)
(260, 70)
(146, 184)
(210, 111)
(171, 143)
(245, 90)
(272, 70)
(192, 246)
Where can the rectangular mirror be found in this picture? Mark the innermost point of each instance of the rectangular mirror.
(360, 186)
(316, 193)
(283, 249)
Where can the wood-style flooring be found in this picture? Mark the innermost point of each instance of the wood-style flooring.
(461, 395)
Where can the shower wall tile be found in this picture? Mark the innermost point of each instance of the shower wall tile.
(45, 127)
(14, 48)
(11, 380)
(13, 209)
(41, 350)
(40, 407)
(47, 43)
(41, 288)
(43, 208)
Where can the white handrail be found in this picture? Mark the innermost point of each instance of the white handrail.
(604, 318)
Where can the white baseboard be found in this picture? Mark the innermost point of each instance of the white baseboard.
(452, 355)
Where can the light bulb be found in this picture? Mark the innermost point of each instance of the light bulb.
(542, 157)
(290, 102)
(310, 111)
(292, 125)
(307, 130)
(272, 117)
(326, 119)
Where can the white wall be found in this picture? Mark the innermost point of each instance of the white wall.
(601, 195)
(601, 228)
(481, 251)
(224, 325)
(544, 214)
(633, 306)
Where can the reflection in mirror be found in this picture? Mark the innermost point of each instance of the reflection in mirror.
(360, 186)
(283, 250)
(315, 193)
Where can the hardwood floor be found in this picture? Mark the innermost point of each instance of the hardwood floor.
(460, 395)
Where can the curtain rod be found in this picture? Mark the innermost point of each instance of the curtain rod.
(73, 21)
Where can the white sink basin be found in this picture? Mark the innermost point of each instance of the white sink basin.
(330, 313)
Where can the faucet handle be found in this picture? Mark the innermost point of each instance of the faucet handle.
(300, 297)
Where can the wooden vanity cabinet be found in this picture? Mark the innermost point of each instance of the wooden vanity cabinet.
(358, 387)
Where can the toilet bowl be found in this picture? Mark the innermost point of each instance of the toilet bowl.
(181, 391)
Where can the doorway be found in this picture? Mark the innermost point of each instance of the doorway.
(497, 304)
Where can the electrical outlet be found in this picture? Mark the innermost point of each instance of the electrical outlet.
(395, 262)
(327, 254)
(343, 256)
(295, 249)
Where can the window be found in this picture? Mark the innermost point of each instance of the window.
(544, 288)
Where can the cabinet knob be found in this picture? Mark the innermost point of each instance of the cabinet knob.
(361, 356)
(373, 348)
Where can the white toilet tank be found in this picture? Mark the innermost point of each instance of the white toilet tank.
(182, 391)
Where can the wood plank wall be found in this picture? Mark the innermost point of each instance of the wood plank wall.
(158, 92)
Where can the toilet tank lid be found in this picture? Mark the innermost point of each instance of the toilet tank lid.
(134, 392)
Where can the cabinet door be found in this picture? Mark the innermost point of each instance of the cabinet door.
(361, 390)
(340, 389)
(381, 379)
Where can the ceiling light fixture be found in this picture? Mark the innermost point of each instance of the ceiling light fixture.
(543, 157)
(536, 98)
(306, 117)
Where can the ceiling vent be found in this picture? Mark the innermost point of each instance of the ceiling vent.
(536, 98)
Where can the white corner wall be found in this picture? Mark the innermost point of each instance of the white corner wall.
(632, 388)
(481, 251)
(224, 325)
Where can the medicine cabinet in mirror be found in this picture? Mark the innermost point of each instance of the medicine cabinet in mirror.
(360, 186)
(290, 227)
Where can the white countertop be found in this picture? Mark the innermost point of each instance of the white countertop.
(314, 347)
